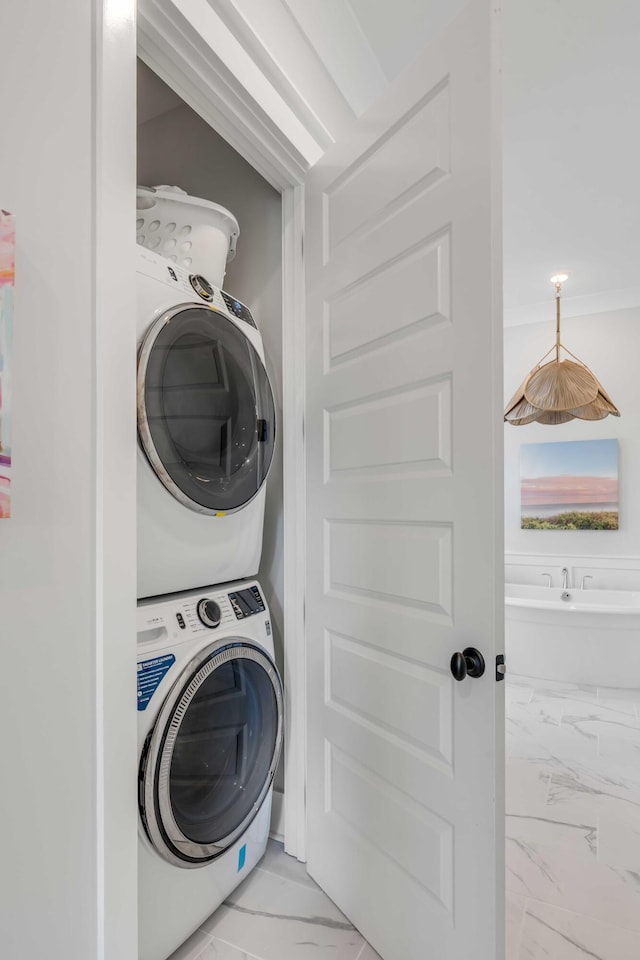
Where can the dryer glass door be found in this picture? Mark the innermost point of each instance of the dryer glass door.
(206, 416)
(213, 755)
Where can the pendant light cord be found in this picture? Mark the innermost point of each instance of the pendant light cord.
(558, 288)
(559, 345)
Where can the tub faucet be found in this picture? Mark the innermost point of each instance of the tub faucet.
(565, 578)
(548, 576)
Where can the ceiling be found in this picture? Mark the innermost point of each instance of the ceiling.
(571, 140)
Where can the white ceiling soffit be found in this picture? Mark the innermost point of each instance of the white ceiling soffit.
(190, 47)
(286, 55)
(337, 35)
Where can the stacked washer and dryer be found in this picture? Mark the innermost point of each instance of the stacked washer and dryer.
(210, 701)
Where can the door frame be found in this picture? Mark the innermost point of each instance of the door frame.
(198, 71)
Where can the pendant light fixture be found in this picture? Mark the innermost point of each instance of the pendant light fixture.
(559, 390)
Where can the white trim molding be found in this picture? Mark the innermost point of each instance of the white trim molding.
(273, 37)
(276, 830)
(114, 160)
(293, 403)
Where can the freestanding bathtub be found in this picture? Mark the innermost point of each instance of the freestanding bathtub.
(590, 636)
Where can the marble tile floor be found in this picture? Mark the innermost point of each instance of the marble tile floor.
(278, 913)
(573, 821)
(572, 846)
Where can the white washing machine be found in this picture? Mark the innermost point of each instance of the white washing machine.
(206, 425)
(210, 732)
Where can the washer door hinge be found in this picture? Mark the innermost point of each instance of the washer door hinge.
(500, 667)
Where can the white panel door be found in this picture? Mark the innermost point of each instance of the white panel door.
(405, 765)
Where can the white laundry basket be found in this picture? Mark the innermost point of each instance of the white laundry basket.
(197, 234)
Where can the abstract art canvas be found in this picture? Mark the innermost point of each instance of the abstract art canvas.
(571, 485)
(7, 278)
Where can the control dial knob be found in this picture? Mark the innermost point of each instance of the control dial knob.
(201, 286)
(209, 613)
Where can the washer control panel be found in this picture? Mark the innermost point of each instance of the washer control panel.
(246, 603)
(209, 612)
(212, 611)
(200, 614)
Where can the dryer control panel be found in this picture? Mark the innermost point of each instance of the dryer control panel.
(168, 272)
(239, 310)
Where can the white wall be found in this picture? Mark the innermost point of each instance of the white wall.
(610, 344)
(179, 148)
(67, 555)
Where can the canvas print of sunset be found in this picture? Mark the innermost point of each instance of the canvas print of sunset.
(571, 485)
(7, 275)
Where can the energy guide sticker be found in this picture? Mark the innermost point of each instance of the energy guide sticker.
(150, 675)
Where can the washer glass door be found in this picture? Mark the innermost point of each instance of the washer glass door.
(206, 417)
(213, 754)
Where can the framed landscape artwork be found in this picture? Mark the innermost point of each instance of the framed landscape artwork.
(571, 485)
(7, 276)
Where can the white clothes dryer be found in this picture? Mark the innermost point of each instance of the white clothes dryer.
(210, 733)
(206, 425)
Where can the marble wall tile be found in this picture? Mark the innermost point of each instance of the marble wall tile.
(549, 933)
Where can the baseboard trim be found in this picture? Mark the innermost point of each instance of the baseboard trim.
(276, 831)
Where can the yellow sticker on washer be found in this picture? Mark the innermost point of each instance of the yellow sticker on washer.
(221, 514)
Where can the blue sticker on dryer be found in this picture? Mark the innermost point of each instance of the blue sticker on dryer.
(150, 675)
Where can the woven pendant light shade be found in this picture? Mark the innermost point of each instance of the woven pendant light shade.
(560, 390)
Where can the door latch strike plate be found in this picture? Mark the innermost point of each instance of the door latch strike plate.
(500, 667)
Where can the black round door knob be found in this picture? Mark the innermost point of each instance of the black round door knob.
(209, 613)
(468, 663)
